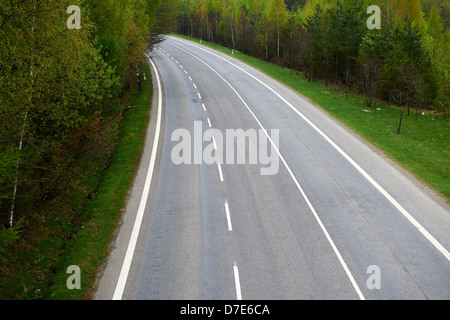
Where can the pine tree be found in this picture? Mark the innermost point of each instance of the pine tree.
(406, 69)
(316, 59)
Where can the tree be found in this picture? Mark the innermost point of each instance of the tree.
(406, 69)
(231, 15)
(296, 53)
(443, 7)
(315, 58)
(184, 20)
(162, 20)
(277, 15)
(437, 45)
(370, 63)
(344, 32)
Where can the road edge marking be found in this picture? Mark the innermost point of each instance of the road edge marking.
(122, 280)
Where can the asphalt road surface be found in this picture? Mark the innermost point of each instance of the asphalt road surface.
(310, 212)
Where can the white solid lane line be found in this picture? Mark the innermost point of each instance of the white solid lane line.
(121, 282)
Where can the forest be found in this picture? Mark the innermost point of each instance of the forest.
(406, 62)
(63, 94)
(58, 85)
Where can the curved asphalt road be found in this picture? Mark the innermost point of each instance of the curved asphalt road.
(337, 220)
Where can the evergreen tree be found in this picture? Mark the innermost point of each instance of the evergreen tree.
(316, 58)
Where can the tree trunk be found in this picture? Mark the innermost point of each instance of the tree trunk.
(278, 42)
(267, 46)
(347, 77)
(22, 134)
(336, 66)
(232, 35)
(217, 27)
(400, 122)
(445, 110)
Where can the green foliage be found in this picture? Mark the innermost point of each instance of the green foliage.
(7, 237)
(437, 44)
(103, 214)
(406, 62)
(56, 83)
(406, 66)
(60, 93)
(8, 161)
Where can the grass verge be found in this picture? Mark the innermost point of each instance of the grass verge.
(102, 215)
(422, 147)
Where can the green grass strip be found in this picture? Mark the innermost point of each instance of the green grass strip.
(423, 147)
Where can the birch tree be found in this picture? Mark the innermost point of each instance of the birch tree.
(277, 16)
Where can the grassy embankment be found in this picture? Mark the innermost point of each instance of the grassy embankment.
(422, 147)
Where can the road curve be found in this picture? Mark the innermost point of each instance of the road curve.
(331, 218)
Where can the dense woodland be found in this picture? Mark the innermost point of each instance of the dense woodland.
(60, 89)
(406, 62)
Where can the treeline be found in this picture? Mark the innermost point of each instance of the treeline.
(59, 87)
(406, 62)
